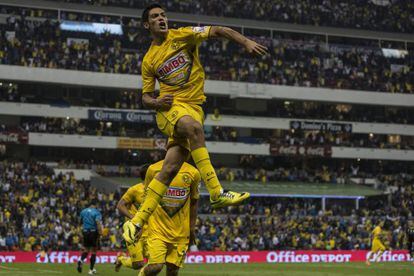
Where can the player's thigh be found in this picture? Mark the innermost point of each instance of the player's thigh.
(157, 251)
(186, 125)
(176, 254)
(136, 251)
(167, 120)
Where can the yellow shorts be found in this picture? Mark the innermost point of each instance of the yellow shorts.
(161, 252)
(139, 250)
(166, 121)
(377, 246)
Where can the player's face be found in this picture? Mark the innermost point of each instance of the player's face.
(157, 21)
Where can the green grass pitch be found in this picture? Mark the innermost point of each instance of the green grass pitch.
(355, 269)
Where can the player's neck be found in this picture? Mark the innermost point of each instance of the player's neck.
(159, 38)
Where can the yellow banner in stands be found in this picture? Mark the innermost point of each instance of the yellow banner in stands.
(136, 143)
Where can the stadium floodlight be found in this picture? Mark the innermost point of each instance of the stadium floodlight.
(91, 27)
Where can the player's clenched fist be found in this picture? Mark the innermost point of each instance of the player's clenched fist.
(164, 103)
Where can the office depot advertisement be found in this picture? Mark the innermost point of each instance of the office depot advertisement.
(310, 256)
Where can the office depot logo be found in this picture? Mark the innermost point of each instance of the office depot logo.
(205, 257)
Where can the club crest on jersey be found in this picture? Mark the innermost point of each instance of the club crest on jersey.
(175, 45)
(173, 64)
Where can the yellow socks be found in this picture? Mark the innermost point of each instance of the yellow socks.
(126, 261)
(155, 192)
(202, 160)
(142, 271)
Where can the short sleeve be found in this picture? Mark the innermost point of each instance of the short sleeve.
(127, 197)
(148, 78)
(98, 216)
(197, 34)
(195, 186)
(149, 175)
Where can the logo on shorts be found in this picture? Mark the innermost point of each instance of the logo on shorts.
(174, 114)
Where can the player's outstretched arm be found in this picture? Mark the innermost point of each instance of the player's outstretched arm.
(123, 208)
(251, 46)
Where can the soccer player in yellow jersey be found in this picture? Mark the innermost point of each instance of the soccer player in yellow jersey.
(172, 225)
(128, 205)
(173, 60)
(377, 246)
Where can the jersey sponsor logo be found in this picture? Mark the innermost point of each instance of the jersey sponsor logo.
(176, 193)
(173, 64)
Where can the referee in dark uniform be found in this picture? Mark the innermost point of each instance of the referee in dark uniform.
(91, 229)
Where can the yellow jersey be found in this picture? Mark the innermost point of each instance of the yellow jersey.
(170, 222)
(176, 65)
(134, 197)
(376, 233)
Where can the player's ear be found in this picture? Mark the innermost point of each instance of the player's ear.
(146, 25)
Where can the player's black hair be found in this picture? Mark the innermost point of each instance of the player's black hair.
(143, 171)
(145, 13)
(94, 202)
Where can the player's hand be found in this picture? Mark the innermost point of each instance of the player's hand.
(252, 47)
(131, 233)
(165, 102)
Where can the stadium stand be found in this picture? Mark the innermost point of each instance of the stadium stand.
(323, 170)
(374, 15)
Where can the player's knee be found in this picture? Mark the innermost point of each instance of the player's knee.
(154, 269)
(195, 131)
(137, 265)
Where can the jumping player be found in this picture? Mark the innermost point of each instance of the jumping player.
(173, 60)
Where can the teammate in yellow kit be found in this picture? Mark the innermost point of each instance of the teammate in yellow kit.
(172, 225)
(128, 205)
(173, 60)
(377, 246)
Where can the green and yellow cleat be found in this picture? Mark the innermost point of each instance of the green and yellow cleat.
(229, 198)
(118, 262)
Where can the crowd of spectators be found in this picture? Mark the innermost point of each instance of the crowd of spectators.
(294, 63)
(388, 15)
(87, 127)
(40, 212)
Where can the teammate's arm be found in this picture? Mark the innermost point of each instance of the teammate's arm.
(98, 221)
(193, 218)
(122, 206)
(100, 227)
(251, 46)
